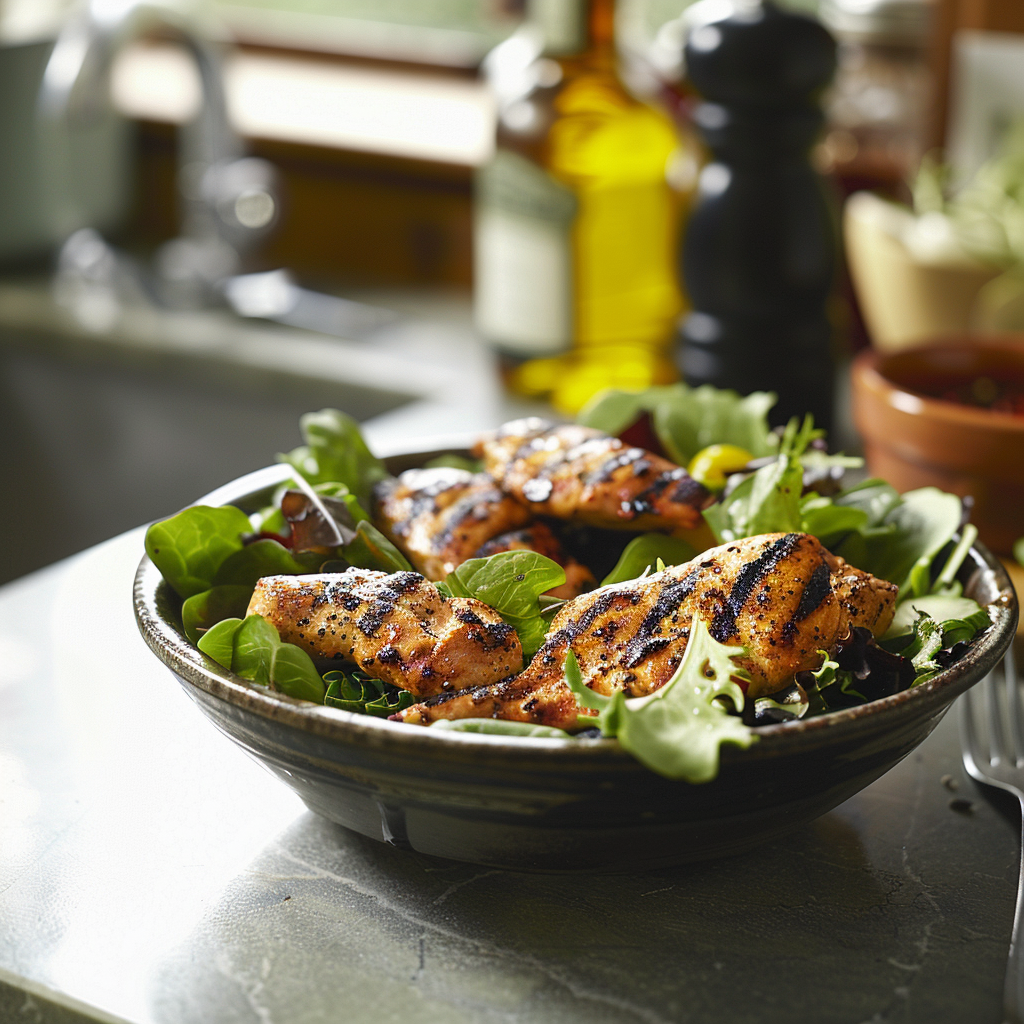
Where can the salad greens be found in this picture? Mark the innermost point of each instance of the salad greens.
(686, 419)
(335, 452)
(679, 729)
(213, 558)
(358, 692)
(190, 547)
(511, 582)
(252, 648)
(643, 553)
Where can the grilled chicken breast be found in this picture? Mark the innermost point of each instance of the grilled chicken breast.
(574, 472)
(441, 517)
(782, 596)
(394, 626)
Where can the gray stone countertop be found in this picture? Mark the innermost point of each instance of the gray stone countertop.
(150, 872)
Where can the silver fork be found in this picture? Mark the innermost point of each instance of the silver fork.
(999, 762)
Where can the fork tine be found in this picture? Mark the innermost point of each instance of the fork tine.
(996, 732)
(969, 741)
(1013, 703)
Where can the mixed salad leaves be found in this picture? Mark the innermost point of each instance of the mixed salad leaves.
(767, 481)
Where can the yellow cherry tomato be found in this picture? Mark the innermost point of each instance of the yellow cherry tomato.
(711, 465)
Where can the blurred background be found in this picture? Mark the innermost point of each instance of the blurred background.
(437, 214)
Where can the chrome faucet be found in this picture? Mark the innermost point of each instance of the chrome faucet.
(228, 199)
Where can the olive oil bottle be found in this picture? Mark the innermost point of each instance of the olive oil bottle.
(576, 223)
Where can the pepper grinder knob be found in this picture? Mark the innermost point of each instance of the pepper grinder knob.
(759, 254)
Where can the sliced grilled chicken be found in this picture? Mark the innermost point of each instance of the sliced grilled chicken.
(782, 596)
(574, 472)
(441, 517)
(394, 626)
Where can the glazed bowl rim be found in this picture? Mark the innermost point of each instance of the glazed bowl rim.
(200, 672)
(867, 368)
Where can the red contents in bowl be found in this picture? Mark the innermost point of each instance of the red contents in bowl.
(998, 393)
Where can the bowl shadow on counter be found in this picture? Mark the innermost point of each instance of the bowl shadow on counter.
(413, 938)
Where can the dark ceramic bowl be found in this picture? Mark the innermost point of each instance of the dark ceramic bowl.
(553, 805)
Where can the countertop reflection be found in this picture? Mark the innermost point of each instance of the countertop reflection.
(151, 873)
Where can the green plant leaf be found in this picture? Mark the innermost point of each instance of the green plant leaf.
(218, 642)
(190, 548)
(251, 648)
(370, 549)
(943, 609)
(261, 558)
(202, 611)
(912, 534)
(644, 552)
(336, 452)
(359, 693)
(687, 419)
(679, 729)
(511, 582)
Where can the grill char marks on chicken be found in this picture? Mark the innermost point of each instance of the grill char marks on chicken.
(441, 517)
(782, 596)
(396, 627)
(574, 472)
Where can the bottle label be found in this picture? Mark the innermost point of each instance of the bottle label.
(523, 257)
(563, 23)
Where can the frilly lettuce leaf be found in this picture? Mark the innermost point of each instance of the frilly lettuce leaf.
(355, 691)
(679, 729)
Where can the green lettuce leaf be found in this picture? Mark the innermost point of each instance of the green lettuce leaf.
(357, 692)
(679, 729)
(907, 541)
(511, 582)
(336, 452)
(686, 419)
(768, 501)
(252, 648)
(644, 552)
(954, 614)
(190, 548)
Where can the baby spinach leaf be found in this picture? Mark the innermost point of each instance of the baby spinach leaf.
(252, 648)
(202, 611)
(190, 547)
(511, 582)
(261, 558)
(643, 553)
(679, 729)
(499, 727)
(218, 642)
(336, 452)
(370, 549)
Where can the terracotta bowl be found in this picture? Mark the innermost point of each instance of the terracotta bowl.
(912, 440)
(556, 805)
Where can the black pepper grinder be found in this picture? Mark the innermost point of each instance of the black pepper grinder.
(760, 247)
